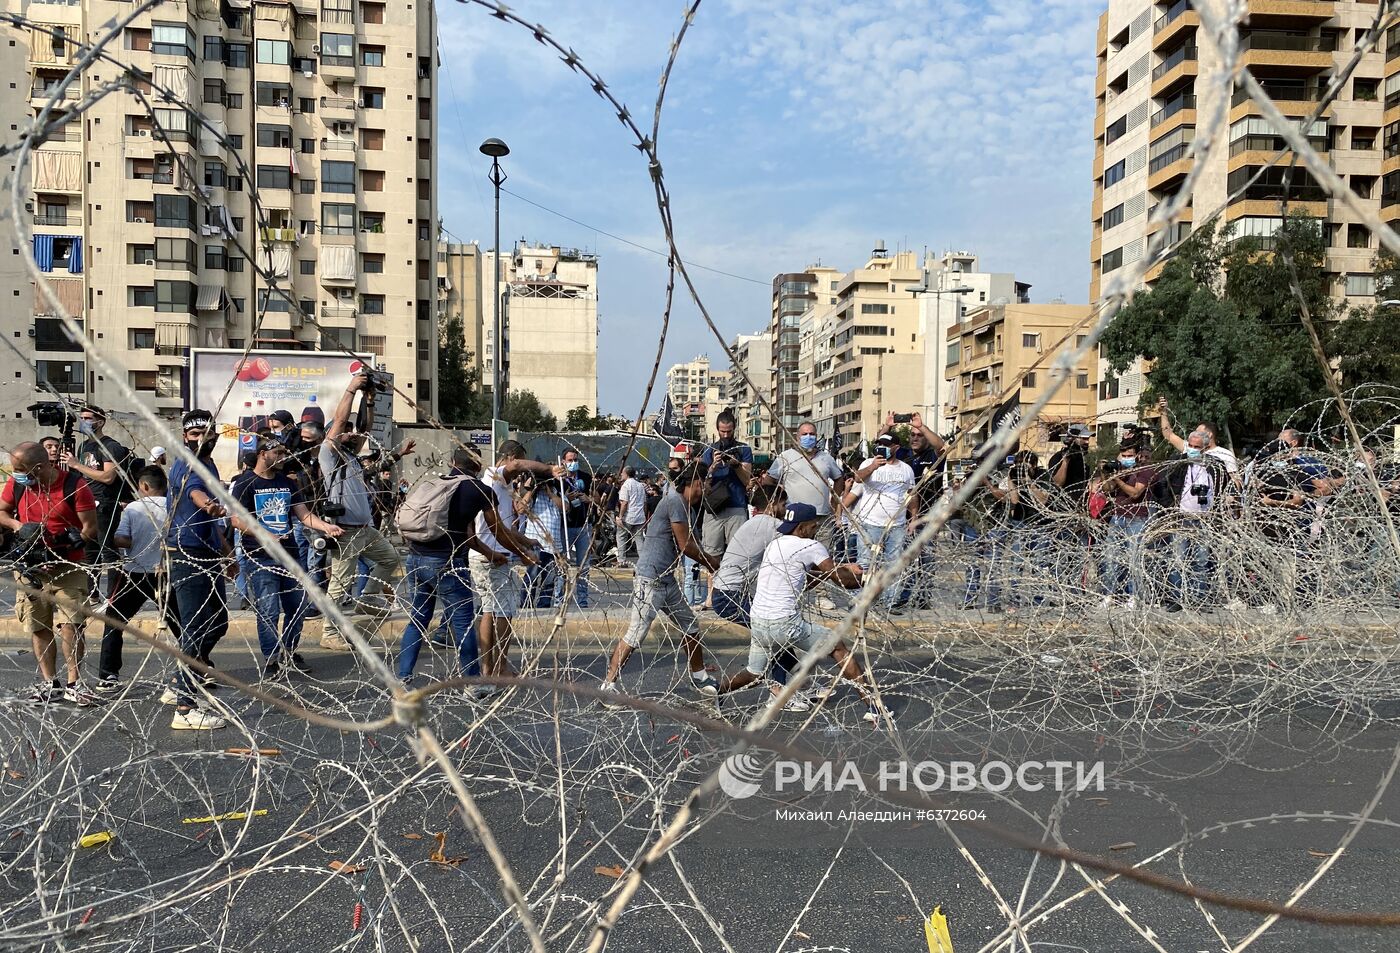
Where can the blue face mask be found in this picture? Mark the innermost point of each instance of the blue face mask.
(1193, 453)
(807, 441)
(572, 466)
(22, 479)
(1127, 461)
(85, 427)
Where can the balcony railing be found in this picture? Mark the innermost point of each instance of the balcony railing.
(1276, 193)
(1177, 9)
(1288, 41)
(1309, 93)
(1173, 154)
(338, 145)
(337, 102)
(1185, 53)
(1184, 101)
(344, 312)
(57, 218)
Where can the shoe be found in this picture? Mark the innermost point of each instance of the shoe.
(299, 663)
(80, 695)
(169, 697)
(877, 715)
(707, 685)
(108, 685)
(196, 720)
(611, 690)
(799, 702)
(902, 609)
(336, 643)
(1172, 607)
(1235, 605)
(42, 693)
(271, 670)
(480, 692)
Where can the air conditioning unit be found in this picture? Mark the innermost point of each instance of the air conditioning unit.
(345, 294)
(139, 220)
(150, 261)
(308, 73)
(143, 132)
(316, 48)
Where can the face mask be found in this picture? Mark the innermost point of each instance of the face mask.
(1278, 464)
(1127, 461)
(85, 427)
(1193, 453)
(808, 441)
(572, 466)
(22, 479)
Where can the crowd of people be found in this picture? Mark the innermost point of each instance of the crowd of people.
(713, 532)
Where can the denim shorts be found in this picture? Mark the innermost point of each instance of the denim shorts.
(767, 636)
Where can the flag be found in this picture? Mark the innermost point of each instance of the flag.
(1008, 414)
(667, 425)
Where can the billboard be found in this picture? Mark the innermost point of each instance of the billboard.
(239, 391)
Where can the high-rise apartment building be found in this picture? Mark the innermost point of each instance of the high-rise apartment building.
(549, 325)
(753, 357)
(793, 294)
(299, 133)
(686, 383)
(1149, 58)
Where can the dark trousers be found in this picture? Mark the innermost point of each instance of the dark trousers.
(197, 582)
(126, 596)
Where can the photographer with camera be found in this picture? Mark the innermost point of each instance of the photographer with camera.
(102, 461)
(1193, 489)
(729, 464)
(348, 505)
(53, 516)
(885, 501)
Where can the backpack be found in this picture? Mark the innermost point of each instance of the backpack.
(422, 515)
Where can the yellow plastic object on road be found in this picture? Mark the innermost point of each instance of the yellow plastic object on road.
(95, 839)
(230, 816)
(936, 932)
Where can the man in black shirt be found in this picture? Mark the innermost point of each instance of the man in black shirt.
(1069, 469)
(438, 567)
(101, 460)
(578, 527)
(927, 456)
(274, 499)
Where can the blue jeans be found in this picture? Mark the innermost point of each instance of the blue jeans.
(918, 581)
(426, 578)
(275, 594)
(1191, 568)
(843, 545)
(876, 546)
(541, 582)
(197, 583)
(363, 567)
(1120, 565)
(695, 587)
(578, 549)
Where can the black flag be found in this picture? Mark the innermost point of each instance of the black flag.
(1008, 414)
(667, 425)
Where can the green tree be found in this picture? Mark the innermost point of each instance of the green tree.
(581, 418)
(1222, 330)
(523, 410)
(1366, 345)
(460, 400)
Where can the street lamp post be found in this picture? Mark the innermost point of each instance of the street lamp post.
(497, 150)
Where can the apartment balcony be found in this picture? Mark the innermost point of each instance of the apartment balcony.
(1181, 110)
(268, 234)
(1307, 201)
(1291, 99)
(39, 96)
(338, 109)
(339, 314)
(1175, 23)
(1169, 167)
(64, 219)
(1178, 68)
(339, 149)
(1298, 14)
(1283, 54)
(337, 67)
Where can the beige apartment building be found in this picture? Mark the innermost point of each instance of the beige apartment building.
(1149, 58)
(549, 323)
(686, 383)
(1003, 347)
(754, 358)
(459, 297)
(299, 133)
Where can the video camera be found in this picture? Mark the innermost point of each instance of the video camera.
(31, 548)
(61, 413)
(379, 382)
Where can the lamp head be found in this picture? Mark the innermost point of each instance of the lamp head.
(495, 148)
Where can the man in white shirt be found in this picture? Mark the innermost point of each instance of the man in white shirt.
(493, 576)
(806, 473)
(631, 515)
(881, 510)
(791, 563)
(139, 536)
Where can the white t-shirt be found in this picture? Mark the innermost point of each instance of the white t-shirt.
(1197, 473)
(1225, 456)
(783, 576)
(634, 494)
(505, 508)
(144, 521)
(884, 501)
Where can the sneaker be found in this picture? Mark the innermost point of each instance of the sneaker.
(196, 720)
(42, 693)
(480, 692)
(799, 702)
(80, 695)
(611, 690)
(169, 697)
(901, 609)
(877, 715)
(271, 669)
(299, 663)
(705, 686)
(336, 643)
(108, 685)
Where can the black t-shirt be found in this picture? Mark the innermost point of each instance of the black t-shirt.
(579, 510)
(1077, 473)
(95, 454)
(921, 463)
(468, 500)
(270, 500)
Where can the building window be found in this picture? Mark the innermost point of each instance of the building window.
(273, 94)
(338, 49)
(51, 335)
(308, 146)
(142, 339)
(337, 219)
(372, 181)
(1358, 236)
(1361, 286)
(338, 177)
(1113, 260)
(214, 257)
(308, 186)
(233, 264)
(1028, 380)
(175, 253)
(307, 266)
(306, 104)
(371, 304)
(372, 344)
(144, 380)
(276, 52)
(371, 56)
(137, 297)
(372, 140)
(372, 264)
(874, 309)
(372, 97)
(214, 92)
(371, 13)
(269, 301)
(213, 49)
(171, 39)
(372, 222)
(337, 339)
(1081, 380)
(274, 177)
(174, 211)
(175, 297)
(275, 136)
(66, 377)
(168, 381)
(1031, 341)
(236, 55)
(1115, 173)
(1112, 217)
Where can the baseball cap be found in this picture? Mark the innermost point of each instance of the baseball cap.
(157, 452)
(1079, 430)
(888, 439)
(283, 417)
(795, 515)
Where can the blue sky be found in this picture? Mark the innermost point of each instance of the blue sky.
(794, 131)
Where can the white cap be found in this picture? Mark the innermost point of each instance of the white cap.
(157, 452)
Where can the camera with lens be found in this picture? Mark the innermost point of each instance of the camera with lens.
(330, 512)
(31, 548)
(377, 382)
(1201, 491)
(1111, 466)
